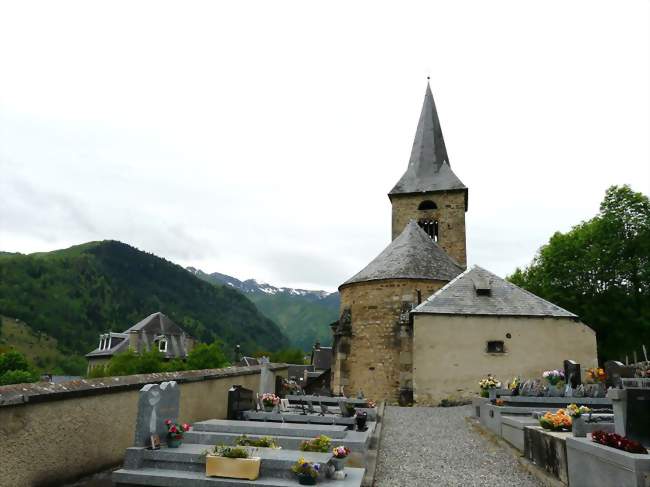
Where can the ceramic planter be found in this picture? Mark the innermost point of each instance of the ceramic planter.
(236, 468)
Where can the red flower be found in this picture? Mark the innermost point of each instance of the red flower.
(186, 427)
(173, 429)
(168, 422)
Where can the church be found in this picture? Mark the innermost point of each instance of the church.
(416, 325)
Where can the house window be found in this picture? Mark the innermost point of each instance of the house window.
(162, 345)
(495, 346)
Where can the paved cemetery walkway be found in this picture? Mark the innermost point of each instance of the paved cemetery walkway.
(436, 447)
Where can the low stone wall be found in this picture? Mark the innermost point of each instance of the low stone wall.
(54, 433)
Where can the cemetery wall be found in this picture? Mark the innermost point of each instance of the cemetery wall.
(450, 215)
(450, 352)
(374, 358)
(53, 433)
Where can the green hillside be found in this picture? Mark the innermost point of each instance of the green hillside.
(72, 295)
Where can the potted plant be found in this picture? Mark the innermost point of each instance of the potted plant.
(263, 442)
(175, 433)
(558, 421)
(320, 444)
(555, 379)
(307, 472)
(514, 386)
(348, 410)
(232, 462)
(576, 411)
(596, 377)
(339, 455)
(269, 401)
(488, 383)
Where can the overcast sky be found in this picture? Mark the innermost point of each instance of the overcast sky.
(259, 139)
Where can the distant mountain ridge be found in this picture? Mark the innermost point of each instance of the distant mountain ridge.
(303, 315)
(74, 294)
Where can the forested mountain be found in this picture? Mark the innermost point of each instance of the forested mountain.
(72, 295)
(303, 315)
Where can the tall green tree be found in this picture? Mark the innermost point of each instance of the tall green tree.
(205, 356)
(600, 270)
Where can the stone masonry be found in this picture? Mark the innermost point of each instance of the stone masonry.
(450, 214)
(376, 355)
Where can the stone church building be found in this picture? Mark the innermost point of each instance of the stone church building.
(416, 325)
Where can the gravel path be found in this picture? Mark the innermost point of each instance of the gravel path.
(436, 447)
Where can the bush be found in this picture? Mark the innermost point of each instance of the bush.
(205, 356)
(13, 360)
(17, 377)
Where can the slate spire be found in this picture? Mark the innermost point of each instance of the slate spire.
(428, 168)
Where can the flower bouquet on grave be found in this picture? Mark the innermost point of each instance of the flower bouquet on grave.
(576, 411)
(513, 386)
(320, 444)
(339, 455)
(619, 442)
(175, 433)
(595, 375)
(558, 421)
(232, 462)
(307, 472)
(269, 401)
(555, 379)
(488, 383)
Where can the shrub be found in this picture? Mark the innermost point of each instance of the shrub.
(17, 377)
(321, 444)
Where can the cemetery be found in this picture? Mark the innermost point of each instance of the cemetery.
(592, 432)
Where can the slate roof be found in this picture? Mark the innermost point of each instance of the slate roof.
(321, 358)
(412, 255)
(460, 297)
(149, 329)
(428, 168)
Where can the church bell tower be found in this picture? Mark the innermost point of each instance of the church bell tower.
(429, 192)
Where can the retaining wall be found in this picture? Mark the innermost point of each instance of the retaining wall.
(54, 433)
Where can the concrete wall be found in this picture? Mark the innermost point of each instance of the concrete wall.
(372, 359)
(450, 356)
(450, 215)
(74, 429)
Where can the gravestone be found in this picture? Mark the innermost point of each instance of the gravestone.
(572, 373)
(616, 371)
(157, 402)
(240, 399)
(637, 418)
(267, 381)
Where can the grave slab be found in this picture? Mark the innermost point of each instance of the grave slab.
(298, 418)
(512, 429)
(547, 450)
(593, 465)
(270, 429)
(330, 401)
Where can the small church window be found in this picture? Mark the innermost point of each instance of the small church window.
(431, 227)
(495, 346)
(427, 205)
(162, 345)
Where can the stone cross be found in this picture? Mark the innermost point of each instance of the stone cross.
(157, 402)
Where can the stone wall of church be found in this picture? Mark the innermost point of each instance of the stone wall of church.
(376, 357)
(450, 352)
(450, 214)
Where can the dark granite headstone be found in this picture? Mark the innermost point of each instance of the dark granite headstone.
(616, 371)
(637, 419)
(157, 403)
(572, 373)
(240, 399)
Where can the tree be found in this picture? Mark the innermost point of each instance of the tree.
(13, 360)
(17, 377)
(600, 270)
(289, 356)
(205, 356)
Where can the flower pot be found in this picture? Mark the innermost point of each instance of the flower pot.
(339, 463)
(236, 468)
(268, 409)
(174, 441)
(304, 479)
(485, 393)
(361, 420)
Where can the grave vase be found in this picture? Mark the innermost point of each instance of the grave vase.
(339, 463)
(174, 441)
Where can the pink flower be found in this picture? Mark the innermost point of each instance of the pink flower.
(168, 422)
(173, 429)
(186, 427)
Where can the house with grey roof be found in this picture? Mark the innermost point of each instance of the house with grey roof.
(480, 323)
(155, 332)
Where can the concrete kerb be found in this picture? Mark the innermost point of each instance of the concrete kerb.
(544, 478)
(373, 449)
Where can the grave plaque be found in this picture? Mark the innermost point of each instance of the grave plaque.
(572, 373)
(157, 402)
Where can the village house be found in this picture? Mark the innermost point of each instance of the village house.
(156, 332)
